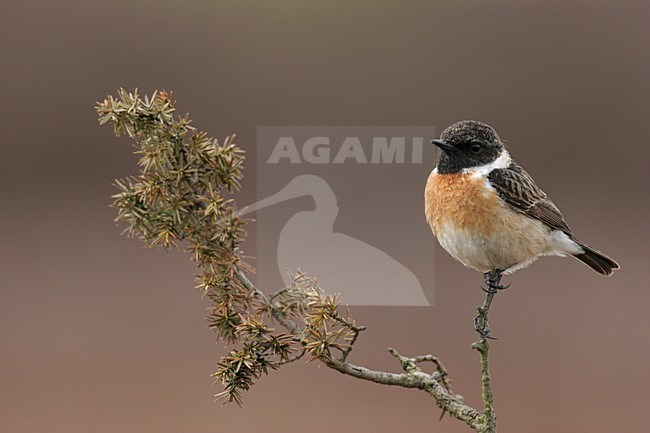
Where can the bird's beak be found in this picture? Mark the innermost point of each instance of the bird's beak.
(444, 145)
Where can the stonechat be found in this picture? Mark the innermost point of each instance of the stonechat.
(489, 214)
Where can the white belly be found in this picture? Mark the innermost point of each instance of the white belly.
(507, 248)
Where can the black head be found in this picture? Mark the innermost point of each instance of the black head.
(467, 144)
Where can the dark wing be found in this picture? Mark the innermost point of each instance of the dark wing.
(519, 190)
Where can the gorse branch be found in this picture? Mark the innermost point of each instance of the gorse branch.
(184, 193)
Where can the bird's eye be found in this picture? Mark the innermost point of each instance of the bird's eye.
(475, 147)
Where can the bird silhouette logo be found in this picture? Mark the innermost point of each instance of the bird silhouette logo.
(362, 273)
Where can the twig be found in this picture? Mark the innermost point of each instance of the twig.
(437, 384)
(413, 377)
(489, 418)
(293, 359)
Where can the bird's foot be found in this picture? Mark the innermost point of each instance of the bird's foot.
(492, 280)
(481, 324)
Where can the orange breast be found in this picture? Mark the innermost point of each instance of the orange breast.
(462, 200)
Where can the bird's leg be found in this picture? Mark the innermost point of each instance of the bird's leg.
(492, 280)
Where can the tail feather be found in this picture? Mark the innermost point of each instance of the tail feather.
(597, 261)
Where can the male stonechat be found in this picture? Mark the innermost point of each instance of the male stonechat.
(489, 214)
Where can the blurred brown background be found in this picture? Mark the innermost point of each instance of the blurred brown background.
(98, 334)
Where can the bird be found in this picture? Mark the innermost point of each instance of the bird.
(488, 213)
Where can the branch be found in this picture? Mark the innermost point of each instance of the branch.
(184, 194)
(437, 384)
(489, 417)
(415, 378)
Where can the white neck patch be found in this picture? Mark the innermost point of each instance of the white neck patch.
(502, 161)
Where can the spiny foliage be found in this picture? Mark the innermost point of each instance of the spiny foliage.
(184, 193)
